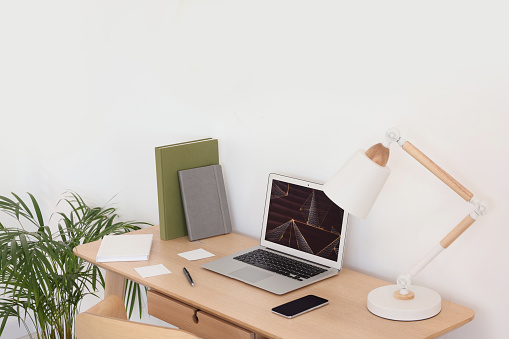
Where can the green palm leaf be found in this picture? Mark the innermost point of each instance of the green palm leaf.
(41, 281)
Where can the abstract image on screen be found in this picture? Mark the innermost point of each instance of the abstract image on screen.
(305, 219)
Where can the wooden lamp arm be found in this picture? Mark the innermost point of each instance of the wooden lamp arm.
(405, 279)
(455, 186)
(438, 171)
(457, 231)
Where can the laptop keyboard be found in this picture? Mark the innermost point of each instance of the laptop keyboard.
(280, 264)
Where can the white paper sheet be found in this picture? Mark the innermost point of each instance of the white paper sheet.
(196, 254)
(152, 271)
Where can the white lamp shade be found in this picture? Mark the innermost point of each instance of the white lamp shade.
(357, 184)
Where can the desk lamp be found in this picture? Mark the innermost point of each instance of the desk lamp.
(355, 188)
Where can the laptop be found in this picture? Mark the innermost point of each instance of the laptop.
(302, 240)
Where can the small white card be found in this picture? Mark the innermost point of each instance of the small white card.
(196, 254)
(152, 271)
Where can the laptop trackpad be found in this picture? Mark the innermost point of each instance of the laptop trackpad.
(251, 275)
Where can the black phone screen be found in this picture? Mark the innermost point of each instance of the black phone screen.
(298, 306)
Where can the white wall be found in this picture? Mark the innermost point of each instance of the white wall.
(89, 88)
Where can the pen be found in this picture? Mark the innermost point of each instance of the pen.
(188, 276)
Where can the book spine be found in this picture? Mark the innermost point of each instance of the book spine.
(223, 203)
(160, 194)
(184, 204)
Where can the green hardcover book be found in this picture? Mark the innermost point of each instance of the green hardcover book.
(169, 160)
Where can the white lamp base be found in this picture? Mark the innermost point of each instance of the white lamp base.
(426, 303)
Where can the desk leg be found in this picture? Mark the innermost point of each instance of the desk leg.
(115, 284)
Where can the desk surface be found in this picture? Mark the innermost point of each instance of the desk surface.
(346, 316)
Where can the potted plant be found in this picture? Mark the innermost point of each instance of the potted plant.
(41, 281)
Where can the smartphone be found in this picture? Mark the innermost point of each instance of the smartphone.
(299, 306)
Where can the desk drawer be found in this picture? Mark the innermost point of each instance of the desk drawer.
(193, 320)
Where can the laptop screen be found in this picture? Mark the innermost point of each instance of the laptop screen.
(301, 217)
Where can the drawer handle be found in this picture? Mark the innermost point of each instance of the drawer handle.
(195, 317)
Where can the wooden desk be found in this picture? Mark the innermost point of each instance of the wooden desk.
(248, 308)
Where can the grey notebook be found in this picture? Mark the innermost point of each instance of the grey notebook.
(204, 200)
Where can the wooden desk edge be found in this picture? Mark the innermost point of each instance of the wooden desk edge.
(116, 285)
(458, 325)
